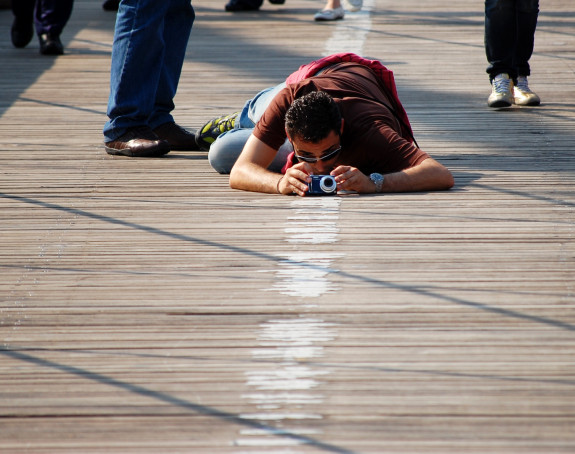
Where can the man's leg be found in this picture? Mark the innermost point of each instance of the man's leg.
(527, 13)
(176, 33)
(51, 16)
(227, 147)
(137, 64)
(244, 119)
(500, 36)
(225, 151)
(243, 5)
(138, 55)
(23, 25)
(500, 42)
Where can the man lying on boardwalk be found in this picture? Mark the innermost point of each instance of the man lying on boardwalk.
(340, 116)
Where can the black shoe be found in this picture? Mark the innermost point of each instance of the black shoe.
(277, 2)
(140, 142)
(177, 137)
(208, 133)
(22, 32)
(111, 5)
(238, 5)
(50, 45)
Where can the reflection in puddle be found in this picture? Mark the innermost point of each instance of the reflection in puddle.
(286, 392)
(306, 274)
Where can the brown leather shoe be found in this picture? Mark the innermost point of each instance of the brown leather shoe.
(140, 142)
(177, 137)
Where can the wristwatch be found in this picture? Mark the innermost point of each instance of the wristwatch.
(377, 179)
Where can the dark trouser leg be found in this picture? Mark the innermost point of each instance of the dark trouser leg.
(500, 36)
(248, 4)
(52, 15)
(22, 29)
(527, 13)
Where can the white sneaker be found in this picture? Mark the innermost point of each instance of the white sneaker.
(501, 95)
(523, 94)
(353, 5)
(329, 14)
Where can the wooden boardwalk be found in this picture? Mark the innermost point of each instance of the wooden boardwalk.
(145, 307)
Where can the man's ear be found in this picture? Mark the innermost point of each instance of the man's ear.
(341, 127)
(288, 137)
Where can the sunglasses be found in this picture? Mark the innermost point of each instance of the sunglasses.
(324, 157)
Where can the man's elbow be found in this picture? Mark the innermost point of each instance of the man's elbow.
(448, 180)
(233, 181)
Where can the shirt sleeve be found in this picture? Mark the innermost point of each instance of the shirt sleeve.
(372, 141)
(270, 128)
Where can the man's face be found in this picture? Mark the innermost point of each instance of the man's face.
(323, 153)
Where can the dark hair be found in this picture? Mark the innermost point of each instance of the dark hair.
(312, 117)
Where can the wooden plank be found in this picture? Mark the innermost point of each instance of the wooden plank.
(147, 307)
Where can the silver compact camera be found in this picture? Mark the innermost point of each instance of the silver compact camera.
(322, 185)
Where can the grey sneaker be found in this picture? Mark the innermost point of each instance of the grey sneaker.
(501, 95)
(329, 14)
(523, 94)
(352, 5)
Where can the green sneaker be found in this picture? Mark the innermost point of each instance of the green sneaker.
(208, 133)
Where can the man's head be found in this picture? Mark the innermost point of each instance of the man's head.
(314, 125)
(312, 117)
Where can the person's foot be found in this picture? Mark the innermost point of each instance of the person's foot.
(523, 94)
(353, 5)
(278, 2)
(501, 95)
(208, 133)
(329, 14)
(139, 142)
(22, 31)
(237, 5)
(111, 5)
(50, 45)
(177, 137)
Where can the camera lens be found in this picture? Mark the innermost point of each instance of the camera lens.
(327, 184)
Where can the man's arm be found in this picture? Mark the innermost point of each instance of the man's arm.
(429, 175)
(250, 173)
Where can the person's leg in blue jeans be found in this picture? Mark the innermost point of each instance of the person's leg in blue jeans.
(178, 25)
(149, 48)
(225, 150)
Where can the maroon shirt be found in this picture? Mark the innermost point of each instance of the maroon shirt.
(371, 139)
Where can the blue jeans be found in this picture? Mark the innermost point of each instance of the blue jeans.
(225, 150)
(509, 36)
(150, 43)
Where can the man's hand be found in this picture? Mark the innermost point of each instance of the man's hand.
(295, 180)
(352, 179)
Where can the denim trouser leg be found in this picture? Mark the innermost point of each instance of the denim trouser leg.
(509, 35)
(51, 16)
(144, 73)
(225, 150)
(179, 21)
